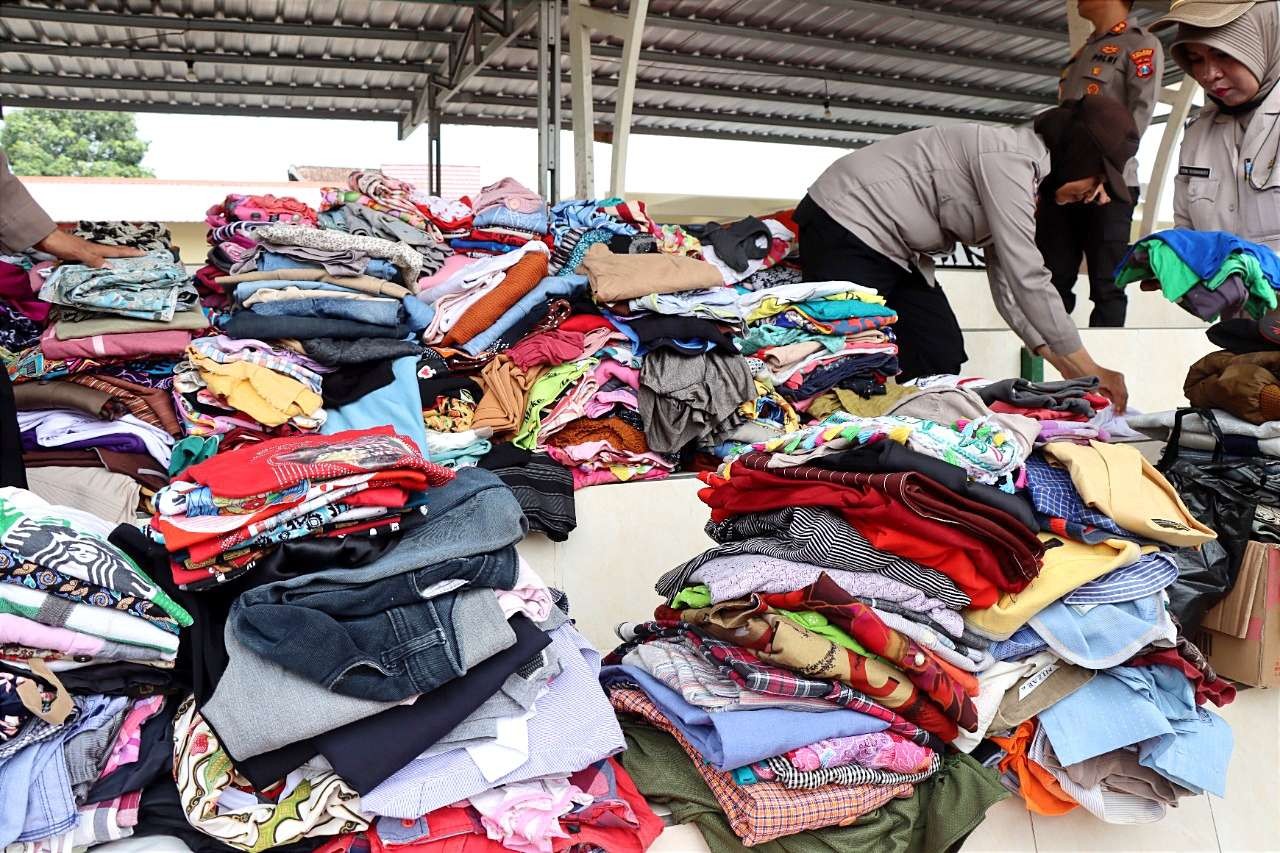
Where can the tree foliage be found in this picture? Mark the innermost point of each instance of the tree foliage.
(72, 142)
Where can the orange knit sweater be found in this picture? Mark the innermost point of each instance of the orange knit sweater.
(520, 279)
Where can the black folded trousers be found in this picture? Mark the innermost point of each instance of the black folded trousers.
(929, 337)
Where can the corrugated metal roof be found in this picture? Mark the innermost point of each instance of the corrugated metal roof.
(836, 72)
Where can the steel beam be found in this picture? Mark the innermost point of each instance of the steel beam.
(851, 44)
(951, 19)
(751, 93)
(199, 87)
(123, 54)
(10, 100)
(749, 66)
(247, 26)
(745, 136)
(581, 102)
(799, 122)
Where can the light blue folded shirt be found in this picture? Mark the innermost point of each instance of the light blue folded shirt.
(1105, 635)
(1132, 706)
(398, 404)
(732, 739)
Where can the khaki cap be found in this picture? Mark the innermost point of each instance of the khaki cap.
(1205, 14)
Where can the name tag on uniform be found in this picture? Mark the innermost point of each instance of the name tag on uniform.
(1194, 171)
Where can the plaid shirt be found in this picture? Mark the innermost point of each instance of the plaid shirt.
(766, 810)
(754, 674)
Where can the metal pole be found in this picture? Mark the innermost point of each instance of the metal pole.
(553, 48)
(583, 103)
(544, 97)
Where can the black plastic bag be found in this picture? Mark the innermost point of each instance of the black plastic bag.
(1225, 495)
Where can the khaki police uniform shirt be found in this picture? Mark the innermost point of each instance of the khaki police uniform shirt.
(918, 194)
(1125, 63)
(23, 223)
(1228, 175)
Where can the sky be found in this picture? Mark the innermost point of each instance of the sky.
(244, 148)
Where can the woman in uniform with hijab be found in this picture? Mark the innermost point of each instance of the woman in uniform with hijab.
(1228, 178)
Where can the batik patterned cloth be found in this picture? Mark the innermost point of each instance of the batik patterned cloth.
(151, 287)
(221, 803)
(754, 674)
(15, 570)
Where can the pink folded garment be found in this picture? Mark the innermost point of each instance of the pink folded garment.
(452, 264)
(129, 345)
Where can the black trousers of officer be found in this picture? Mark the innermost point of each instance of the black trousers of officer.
(12, 472)
(929, 337)
(1098, 234)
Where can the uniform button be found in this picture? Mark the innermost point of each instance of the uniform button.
(919, 658)
(1232, 208)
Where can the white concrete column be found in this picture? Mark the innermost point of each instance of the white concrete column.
(625, 98)
(580, 93)
(1180, 107)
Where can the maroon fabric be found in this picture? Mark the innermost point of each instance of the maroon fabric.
(15, 286)
(1219, 691)
(983, 550)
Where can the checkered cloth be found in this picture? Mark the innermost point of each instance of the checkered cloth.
(765, 811)
(788, 776)
(1055, 499)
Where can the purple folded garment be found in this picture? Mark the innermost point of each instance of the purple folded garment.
(121, 443)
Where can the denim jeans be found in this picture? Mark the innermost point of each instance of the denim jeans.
(383, 640)
(380, 313)
(35, 786)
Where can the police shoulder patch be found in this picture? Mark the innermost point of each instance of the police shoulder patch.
(1119, 28)
(1143, 62)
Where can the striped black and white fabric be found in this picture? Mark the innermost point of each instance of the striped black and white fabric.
(851, 774)
(815, 536)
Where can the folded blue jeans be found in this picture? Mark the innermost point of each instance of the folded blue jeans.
(385, 640)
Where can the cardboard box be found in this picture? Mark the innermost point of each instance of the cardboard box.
(1241, 635)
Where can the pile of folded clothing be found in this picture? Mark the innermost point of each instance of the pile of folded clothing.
(91, 353)
(1210, 274)
(950, 590)
(1068, 408)
(394, 216)
(508, 215)
(128, 308)
(740, 250)
(147, 236)
(692, 379)
(822, 346)
(232, 225)
(219, 517)
(446, 691)
(88, 644)
(578, 224)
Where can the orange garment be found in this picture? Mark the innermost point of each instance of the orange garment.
(522, 278)
(1042, 793)
(966, 680)
(620, 434)
(506, 395)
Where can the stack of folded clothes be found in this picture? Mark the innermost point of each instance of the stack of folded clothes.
(391, 215)
(927, 569)
(446, 691)
(1068, 408)
(508, 215)
(579, 224)
(1211, 274)
(88, 644)
(130, 307)
(692, 379)
(821, 346)
(219, 517)
(232, 225)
